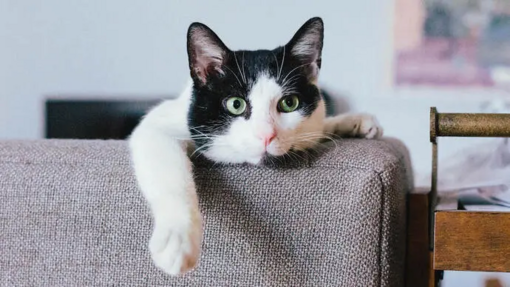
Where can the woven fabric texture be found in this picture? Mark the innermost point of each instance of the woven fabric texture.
(71, 214)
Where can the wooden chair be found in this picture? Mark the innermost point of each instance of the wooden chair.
(443, 237)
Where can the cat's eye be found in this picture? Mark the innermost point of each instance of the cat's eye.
(288, 104)
(235, 105)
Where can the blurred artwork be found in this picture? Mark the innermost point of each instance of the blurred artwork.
(452, 43)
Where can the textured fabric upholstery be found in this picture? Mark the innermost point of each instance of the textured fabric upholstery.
(71, 214)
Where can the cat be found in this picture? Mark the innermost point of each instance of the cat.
(238, 107)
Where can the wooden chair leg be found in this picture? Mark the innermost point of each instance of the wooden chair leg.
(493, 282)
(419, 272)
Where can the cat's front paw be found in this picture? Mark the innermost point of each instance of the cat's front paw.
(176, 249)
(368, 127)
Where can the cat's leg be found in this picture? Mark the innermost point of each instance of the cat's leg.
(164, 174)
(353, 125)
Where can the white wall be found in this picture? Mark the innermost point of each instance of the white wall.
(132, 48)
(137, 47)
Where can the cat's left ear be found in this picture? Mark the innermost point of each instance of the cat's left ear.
(206, 52)
(306, 46)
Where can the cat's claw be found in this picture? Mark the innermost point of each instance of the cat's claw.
(368, 128)
(176, 250)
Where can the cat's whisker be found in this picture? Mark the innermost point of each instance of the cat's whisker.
(292, 155)
(312, 134)
(317, 135)
(239, 68)
(332, 140)
(200, 138)
(208, 145)
(290, 81)
(277, 65)
(296, 155)
(295, 140)
(283, 61)
(271, 160)
(294, 70)
(200, 133)
(205, 146)
(242, 64)
(315, 139)
(209, 129)
(311, 140)
(333, 135)
(234, 75)
(304, 137)
(216, 163)
(312, 105)
(200, 149)
(187, 138)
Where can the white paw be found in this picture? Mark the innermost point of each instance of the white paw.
(368, 127)
(176, 249)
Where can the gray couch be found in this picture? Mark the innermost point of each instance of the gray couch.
(71, 215)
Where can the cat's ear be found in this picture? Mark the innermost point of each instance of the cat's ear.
(206, 52)
(306, 45)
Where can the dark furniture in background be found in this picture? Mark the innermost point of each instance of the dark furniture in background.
(93, 119)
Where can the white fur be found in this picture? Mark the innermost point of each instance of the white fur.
(164, 172)
(354, 125)
(244, 142)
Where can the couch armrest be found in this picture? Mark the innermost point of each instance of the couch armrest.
(71, 214)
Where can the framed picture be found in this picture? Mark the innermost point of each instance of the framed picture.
(455, 44)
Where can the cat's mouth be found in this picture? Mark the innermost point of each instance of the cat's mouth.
(270, 156)
(260, 159)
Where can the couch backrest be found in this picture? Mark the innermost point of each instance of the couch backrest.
(71, 215)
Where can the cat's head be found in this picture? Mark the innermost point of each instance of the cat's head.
(247, 105)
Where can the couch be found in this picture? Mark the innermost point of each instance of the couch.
(71, 214)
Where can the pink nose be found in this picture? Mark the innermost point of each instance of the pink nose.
(268, 138)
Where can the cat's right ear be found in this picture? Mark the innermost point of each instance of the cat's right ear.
(206, 52)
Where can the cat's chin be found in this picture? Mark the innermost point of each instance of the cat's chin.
(255, 160)
(230, 159)
(264, 158)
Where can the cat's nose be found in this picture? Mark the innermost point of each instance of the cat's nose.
(268, 138)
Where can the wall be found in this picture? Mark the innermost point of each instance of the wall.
(137, 47)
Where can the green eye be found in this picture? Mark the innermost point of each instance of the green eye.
(235, 105)
(288, 104)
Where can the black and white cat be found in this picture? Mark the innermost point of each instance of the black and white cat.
(240, 106)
